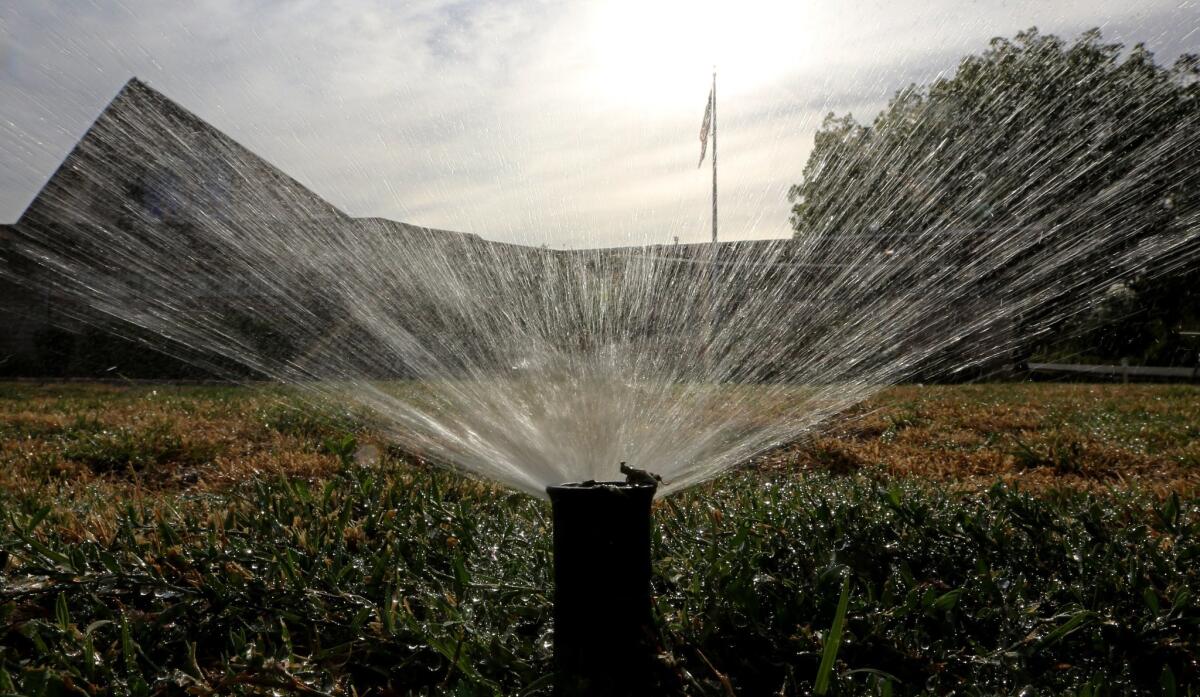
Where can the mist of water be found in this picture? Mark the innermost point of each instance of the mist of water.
(533, 367)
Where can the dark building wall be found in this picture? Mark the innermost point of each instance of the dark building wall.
(146, 171)
(24, 321)
(23, 312)
(146, 159)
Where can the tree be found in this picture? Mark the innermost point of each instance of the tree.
(1032, 147)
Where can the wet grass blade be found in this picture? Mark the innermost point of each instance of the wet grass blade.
(832, 642)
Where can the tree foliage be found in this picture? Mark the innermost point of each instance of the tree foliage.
(1019, 132)
(1088, 139)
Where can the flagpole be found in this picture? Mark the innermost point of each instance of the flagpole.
(710, 358)
(714, 157)
(709, 277)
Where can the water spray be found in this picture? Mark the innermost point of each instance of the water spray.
(603, 631)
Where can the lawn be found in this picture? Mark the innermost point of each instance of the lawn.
(205, 540)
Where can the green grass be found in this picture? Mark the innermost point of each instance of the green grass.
(976, 540)
(419, 582)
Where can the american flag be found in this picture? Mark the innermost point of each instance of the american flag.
(704, 129)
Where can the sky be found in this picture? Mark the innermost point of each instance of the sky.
(568, 124)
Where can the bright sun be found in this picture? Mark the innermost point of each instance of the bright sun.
(657, 52)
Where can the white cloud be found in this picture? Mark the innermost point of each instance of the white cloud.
(571, 124)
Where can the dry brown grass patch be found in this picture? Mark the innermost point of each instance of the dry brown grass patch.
(182, 439)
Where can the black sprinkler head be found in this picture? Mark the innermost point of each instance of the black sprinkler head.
(604, 638)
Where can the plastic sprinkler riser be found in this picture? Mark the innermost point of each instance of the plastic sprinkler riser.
(604, 639)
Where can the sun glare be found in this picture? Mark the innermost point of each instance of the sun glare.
(655, 53)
